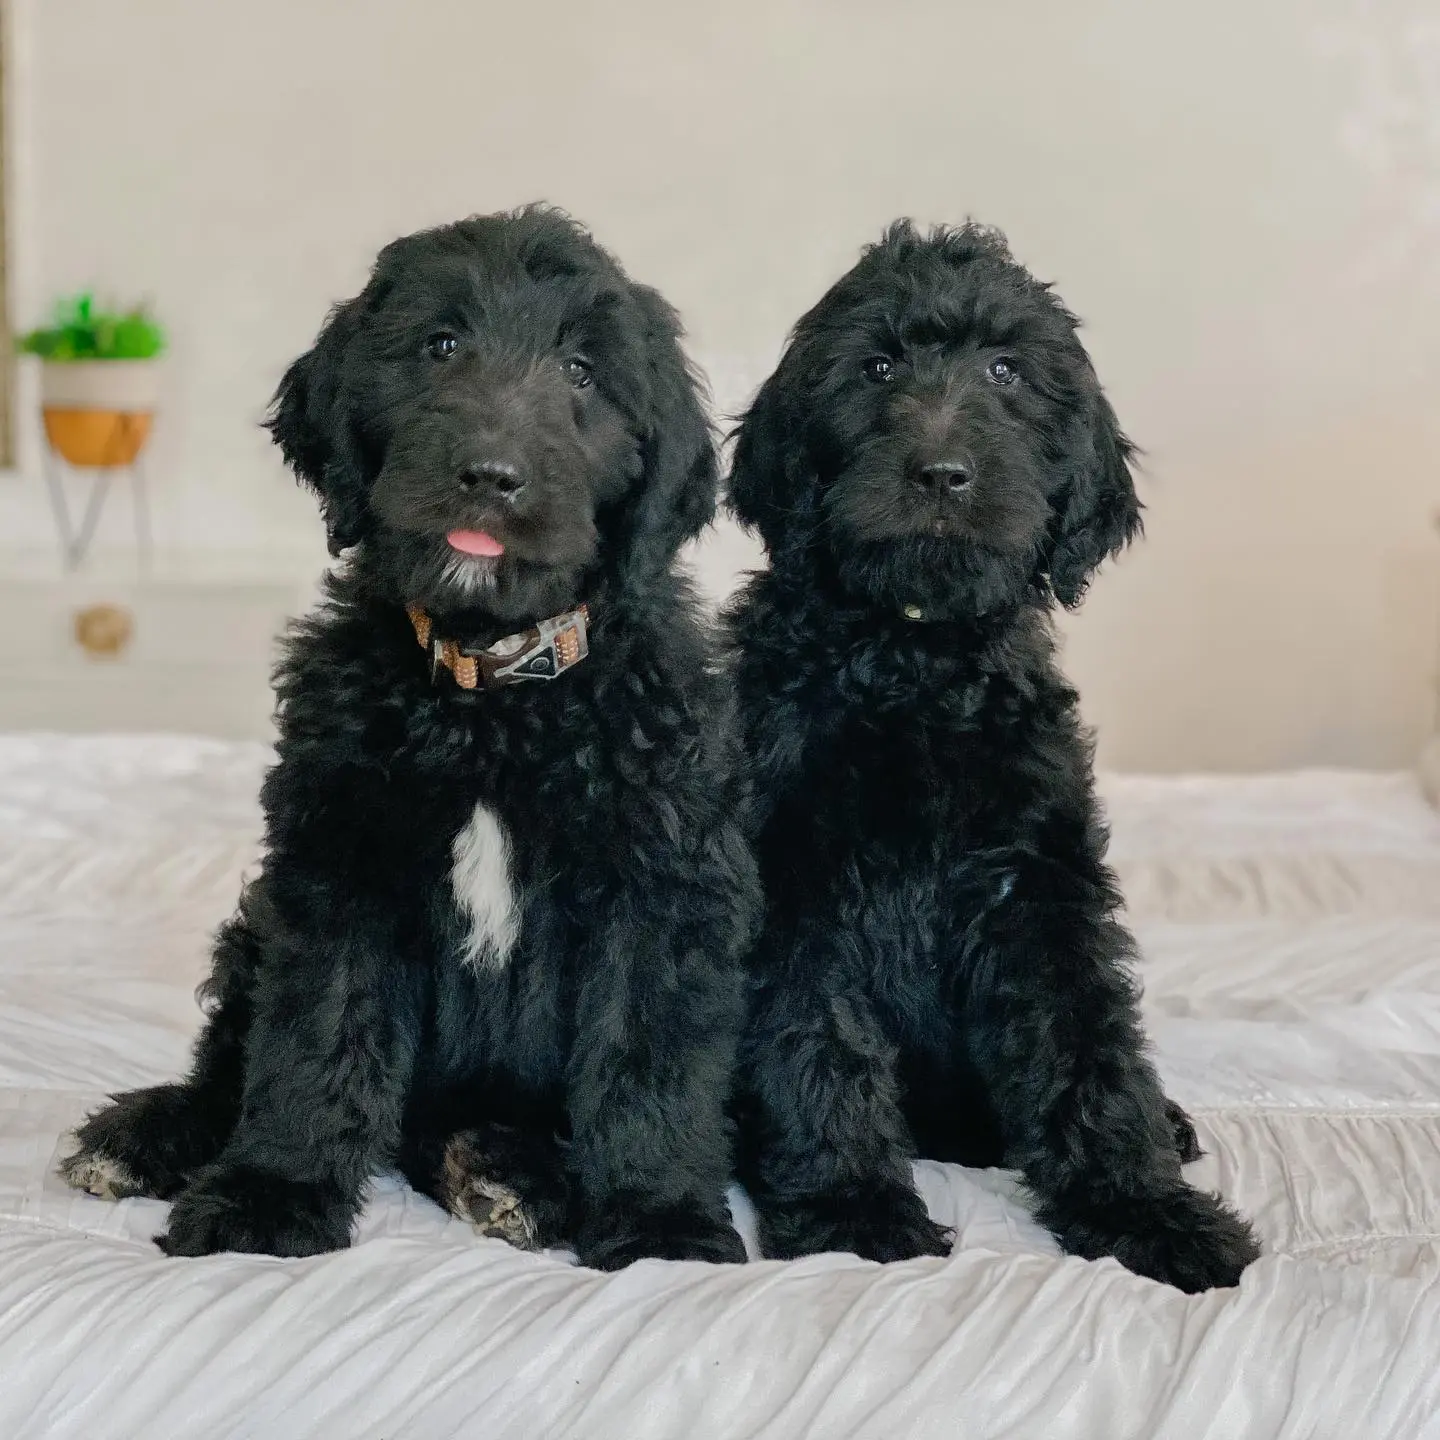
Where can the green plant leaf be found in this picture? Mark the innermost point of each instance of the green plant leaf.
(81, 331)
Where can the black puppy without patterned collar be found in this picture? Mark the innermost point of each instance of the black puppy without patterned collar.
(932, 467)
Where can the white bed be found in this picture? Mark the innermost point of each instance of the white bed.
(1291, 927)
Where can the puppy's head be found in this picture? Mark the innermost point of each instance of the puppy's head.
(499, 419)
(936, 433)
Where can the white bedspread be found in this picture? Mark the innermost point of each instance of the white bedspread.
(1291, 927)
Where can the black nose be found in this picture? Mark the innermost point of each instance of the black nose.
(498, 476)
(945, 476)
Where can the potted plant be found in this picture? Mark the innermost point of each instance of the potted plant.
(99, 380)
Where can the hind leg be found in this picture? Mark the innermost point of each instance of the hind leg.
(1187, 1142)
(149, 1142)
(510, 1183)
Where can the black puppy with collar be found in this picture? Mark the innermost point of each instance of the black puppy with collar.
(933, 467)
(498, 933)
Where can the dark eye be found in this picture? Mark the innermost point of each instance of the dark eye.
(1003, 371)
(578, 371)
(441, 346)
(880, 369)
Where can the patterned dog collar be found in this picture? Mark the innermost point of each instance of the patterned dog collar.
(540, 653)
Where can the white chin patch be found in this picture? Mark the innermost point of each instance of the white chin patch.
(470, 574)
(484, 895)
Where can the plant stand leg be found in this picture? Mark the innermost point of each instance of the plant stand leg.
(74, 543)
(55, 484)
(99, 489)
(144, 541)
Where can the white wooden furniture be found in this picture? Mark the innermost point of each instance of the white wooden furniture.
(186, 649)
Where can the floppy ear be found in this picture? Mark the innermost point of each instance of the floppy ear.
(309, 420)
(767, 489)
(680, 479)
(1098, 513)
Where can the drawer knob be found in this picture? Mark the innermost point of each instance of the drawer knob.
(103, 631)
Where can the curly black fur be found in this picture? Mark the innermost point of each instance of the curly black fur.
(500, 375)
(932, 466)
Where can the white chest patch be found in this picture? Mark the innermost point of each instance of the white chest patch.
(480, 882)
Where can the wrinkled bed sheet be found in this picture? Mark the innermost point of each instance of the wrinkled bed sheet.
(1291, 931)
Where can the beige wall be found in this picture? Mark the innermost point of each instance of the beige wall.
(1242, 199)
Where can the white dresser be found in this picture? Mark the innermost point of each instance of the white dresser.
(188, 648)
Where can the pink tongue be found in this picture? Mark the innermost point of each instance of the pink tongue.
(475, 542)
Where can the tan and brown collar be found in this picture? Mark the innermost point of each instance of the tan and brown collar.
(539, 653)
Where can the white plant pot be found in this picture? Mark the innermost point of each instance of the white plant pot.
(127, 385)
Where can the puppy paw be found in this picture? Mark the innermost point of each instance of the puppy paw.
(508, 1186)
(496, 1212)
(144, 1142)
(1187, 1142)
(883, 1222)
(1182, 1237)
(100, 1175)
(237, 1207)
(621, 1234)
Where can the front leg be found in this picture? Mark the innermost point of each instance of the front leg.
(1053, 1026)
(329, 1055)
(830, 1167)
(657, 1019)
